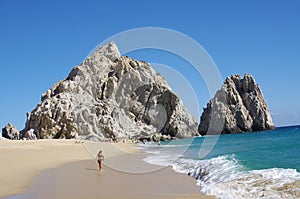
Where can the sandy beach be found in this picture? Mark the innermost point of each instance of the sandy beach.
(65, 169)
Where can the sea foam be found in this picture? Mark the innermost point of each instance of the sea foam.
(225, 177)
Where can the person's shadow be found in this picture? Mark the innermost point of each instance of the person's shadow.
(92, 169)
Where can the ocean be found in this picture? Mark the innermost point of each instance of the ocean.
(248, 165)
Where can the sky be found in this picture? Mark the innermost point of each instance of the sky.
(41, 41)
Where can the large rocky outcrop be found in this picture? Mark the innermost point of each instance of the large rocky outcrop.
(239, 106)
(110, 96)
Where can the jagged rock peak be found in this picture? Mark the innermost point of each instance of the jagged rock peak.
(111, 96)
(239, 106)
(110, 51)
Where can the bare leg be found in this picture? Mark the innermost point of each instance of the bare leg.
(100, 167)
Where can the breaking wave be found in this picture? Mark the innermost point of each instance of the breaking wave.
(225, 177)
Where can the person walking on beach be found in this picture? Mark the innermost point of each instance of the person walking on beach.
(100, 159)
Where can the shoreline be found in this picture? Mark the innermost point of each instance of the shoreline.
(125, 174)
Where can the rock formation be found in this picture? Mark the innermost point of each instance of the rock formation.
(110, 96)
(239, 106)
(11, 132)
(29, 135)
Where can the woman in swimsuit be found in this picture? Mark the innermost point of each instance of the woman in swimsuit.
(100, 159)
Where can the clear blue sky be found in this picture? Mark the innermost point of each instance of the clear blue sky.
(40, 42)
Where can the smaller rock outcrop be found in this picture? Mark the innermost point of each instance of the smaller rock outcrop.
(11, 132)
(239, 106)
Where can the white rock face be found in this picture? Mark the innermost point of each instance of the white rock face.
(111, 96)
(239, 106)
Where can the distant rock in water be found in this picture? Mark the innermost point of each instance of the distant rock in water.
(239, 106)
(111, 96)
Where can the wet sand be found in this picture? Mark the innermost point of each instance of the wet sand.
(125, 175)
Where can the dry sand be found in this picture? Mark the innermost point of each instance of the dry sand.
(21, 161)
(63, 169)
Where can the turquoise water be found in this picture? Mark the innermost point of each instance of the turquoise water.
(248, 165)
(259, 150)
